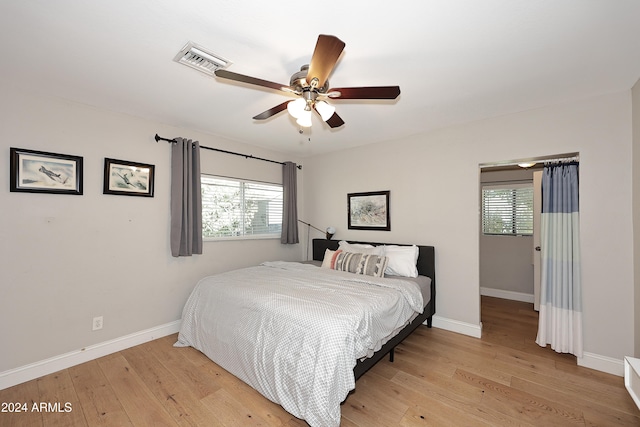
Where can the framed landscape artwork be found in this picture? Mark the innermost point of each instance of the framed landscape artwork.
(42, 172)
(369, 211)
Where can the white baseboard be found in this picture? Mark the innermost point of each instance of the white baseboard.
(511, 295)
(457, 326)
(602, 363)
(54, 364)
(589, 360)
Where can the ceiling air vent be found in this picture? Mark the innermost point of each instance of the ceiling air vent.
(197, 57)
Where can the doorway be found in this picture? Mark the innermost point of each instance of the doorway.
(510, 264)
(506, 233)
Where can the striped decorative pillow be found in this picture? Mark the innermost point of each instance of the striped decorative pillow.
(329, 260)
(370, 265)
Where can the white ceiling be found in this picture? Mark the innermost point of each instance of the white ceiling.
(454, 60)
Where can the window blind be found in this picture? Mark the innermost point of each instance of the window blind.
(238, 208)
(507, 209)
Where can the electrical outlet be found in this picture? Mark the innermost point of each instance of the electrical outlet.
(97, 323)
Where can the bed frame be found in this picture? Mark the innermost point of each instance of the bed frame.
(426, 267)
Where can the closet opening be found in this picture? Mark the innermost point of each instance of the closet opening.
(509, 245)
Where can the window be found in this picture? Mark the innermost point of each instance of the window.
(507, 209)
(233, 208)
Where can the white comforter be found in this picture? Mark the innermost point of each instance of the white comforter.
(294, 331)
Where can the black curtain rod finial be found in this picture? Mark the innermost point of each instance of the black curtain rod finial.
(158, 138)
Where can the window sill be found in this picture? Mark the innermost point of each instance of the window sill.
(257, 237)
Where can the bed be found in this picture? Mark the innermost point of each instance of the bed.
(425, 266)
(301, 334)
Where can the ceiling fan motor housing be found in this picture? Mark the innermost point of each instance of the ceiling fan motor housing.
(299, 81)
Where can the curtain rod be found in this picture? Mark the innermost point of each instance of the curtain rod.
(248, 156)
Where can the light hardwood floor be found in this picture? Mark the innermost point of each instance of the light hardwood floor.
(439, 378)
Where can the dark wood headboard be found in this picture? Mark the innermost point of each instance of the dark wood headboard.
(426, 255)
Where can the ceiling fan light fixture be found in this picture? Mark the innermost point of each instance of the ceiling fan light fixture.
(305, 119)
(325, 109)
(296, 108)
(526, 165)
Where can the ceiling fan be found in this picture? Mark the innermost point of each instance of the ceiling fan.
(310, 84)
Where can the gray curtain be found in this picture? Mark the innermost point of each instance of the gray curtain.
(186, 198)
(290, 203)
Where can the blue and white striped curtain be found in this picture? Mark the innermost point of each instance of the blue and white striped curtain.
(560, 319)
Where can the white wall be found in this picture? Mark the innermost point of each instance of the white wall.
(65, 259)
(434, 181)
(636, 211)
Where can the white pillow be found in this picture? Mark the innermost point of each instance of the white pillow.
(360, 248)
(402, 260)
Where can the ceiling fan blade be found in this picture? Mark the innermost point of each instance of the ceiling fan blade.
(372, 92)
(272, 111)
(335, 121)
(325, 56)
(251, 80)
